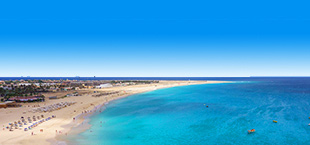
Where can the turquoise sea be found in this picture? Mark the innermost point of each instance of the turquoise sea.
(179, 116)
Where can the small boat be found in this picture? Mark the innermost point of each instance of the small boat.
(251, 131)
(309, 124)
(275, 121)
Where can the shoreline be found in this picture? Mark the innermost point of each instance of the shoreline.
(66, 124)
(84, 120)
(63, 139)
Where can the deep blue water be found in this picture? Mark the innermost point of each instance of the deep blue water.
(179, 116)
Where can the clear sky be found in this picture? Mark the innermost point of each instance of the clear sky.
(161, 38)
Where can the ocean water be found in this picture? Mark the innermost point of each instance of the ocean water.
(179, 116)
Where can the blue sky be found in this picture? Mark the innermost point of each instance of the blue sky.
(154, 38)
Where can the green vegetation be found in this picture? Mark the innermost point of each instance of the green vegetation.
(20, 91)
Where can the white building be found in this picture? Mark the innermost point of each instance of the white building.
(7, 88)
(24, 84)
(104, 86)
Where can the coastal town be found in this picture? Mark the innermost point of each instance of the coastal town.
(21, 91)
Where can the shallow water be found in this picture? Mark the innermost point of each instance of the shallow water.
(178, 115)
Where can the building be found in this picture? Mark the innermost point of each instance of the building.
(24, 84)
(44, 84)
(89, 87)
(108, 85)
(7, 87)
(53, 89)
(2, 82)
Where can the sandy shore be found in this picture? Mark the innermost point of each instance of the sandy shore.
(64, 117)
